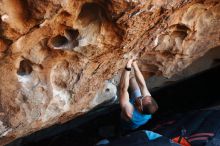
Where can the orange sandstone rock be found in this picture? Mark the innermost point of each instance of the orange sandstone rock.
(61, 52)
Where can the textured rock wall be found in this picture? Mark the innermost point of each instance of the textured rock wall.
(55, 55)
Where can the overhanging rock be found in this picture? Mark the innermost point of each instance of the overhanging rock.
(55, 55)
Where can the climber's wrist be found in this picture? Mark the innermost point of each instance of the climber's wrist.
(127, 68)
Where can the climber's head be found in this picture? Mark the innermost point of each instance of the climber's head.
(146, 104)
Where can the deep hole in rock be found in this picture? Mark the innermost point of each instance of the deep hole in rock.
(180, 30)
(25, 68)
(107, 90)
(90, 12)
(71, 34)
(179, 34)
(59, 41)
(91, 22)
(182, 27)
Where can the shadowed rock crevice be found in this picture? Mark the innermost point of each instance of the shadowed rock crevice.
(71, 34)
(89, 13)
(59, 41)
(25, 68)
(68, 41)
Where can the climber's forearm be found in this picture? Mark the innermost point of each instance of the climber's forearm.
(140, 80)
(138, 75)
(124, 82)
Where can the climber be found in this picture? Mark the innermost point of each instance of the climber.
(136, 102)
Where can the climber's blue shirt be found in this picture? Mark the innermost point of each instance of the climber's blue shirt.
(138, 119)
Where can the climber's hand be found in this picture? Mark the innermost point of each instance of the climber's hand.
(134, 58)
(129, 63)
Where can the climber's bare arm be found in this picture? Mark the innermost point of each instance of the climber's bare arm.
(126, 107)
(140, 80)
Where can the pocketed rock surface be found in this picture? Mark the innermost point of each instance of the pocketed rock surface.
(56, 54)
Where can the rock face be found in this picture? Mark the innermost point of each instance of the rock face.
(55, 55)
